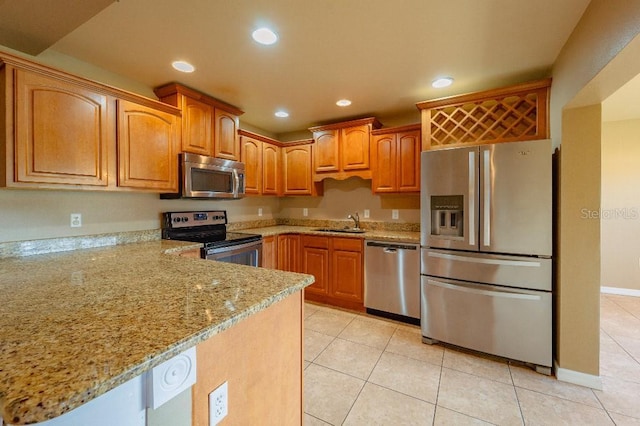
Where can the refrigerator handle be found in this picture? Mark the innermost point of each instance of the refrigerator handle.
(472, 198)
(486, 216)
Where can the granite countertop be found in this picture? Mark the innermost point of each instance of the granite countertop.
(75, 324)
(380, 235)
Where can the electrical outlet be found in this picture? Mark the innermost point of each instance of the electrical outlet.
(218, 404)
(260, 211)
(366, 213)
(305, 212)
(75, 220)
(394, 214)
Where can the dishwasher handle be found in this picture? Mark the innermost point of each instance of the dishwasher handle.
(391, 248)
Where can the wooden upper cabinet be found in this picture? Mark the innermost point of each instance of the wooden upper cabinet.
(148, 141)
(226, 143)
(326, 151)
(408, 154)
(62, 133)
(342, 150)
(210, 125)
(296, 165)
(261, 157)
(355, 147)
(508, 114)
(383, 159)
(395, 156)
(251, 155)
(197, 126)
(271, 170)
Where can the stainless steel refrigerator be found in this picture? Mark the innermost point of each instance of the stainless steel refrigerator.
(486, 237)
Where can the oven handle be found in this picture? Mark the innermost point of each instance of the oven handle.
(235, 247)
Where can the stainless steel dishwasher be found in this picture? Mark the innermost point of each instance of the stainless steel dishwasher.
(392, 280)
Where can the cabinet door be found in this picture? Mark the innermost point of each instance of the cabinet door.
(61, 132)
(296, 165)
(315, 261)
(226, 140)
(251, 154)
(270, 169)
(346, 269)
(289, 253)
(197, 124)
(147, 145)
(270, 252)
(326, 151)
(354, 144)
(408, 160)
(383, 163)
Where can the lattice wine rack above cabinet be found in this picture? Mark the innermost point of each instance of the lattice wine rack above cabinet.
(509, 114)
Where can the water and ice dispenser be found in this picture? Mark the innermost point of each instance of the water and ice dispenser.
(447, 213)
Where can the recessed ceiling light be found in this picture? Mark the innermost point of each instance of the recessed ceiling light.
(281, 114)
(264, 36)
(183, 66)
(343, 102)
(442, 82)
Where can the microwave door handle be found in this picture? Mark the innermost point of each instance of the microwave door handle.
(236, 183)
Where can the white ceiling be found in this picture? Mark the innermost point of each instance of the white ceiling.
(381, 54)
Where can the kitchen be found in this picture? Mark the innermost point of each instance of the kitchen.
(141, 211)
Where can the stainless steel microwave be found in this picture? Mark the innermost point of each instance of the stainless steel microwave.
(209, 177)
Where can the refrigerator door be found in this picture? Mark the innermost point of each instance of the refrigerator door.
(507, 322)
(449, 198)
(516, 198)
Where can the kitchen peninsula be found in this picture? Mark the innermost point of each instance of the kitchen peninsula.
(79, 323)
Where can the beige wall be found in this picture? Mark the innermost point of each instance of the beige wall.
(342, 198)
(605, 30)
(620, 204)
(579, 268)
(39, 214)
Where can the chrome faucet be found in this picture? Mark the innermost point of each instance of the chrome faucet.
(356, 220)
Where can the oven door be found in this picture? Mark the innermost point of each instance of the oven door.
(242, 254)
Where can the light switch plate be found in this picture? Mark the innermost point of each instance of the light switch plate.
(305, 212)
(260, 211)
(366, 213)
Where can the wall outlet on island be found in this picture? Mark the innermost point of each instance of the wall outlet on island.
(305, 212)
(218, 400)
(260, 211)
(394, 214)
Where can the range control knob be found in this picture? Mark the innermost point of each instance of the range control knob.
(185, 219)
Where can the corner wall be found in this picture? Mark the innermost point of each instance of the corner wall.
(603, 33)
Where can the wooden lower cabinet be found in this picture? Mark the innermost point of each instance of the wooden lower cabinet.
(346, 270)
(289, 252)
(337, 264)
(315, 261)
(261, 360)
(270, 252)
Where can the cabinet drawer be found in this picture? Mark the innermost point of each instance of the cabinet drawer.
(313, 241)
(347, 244)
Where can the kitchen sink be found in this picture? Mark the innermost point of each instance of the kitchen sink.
(345, 230)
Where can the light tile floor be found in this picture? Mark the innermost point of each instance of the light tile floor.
(362, 370)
